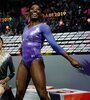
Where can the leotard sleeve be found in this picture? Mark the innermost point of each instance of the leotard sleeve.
(46, 31)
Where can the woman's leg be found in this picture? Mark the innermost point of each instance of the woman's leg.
(22, 81)
(38, 76)
(2, 90)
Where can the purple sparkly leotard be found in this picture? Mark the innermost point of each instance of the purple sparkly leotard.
(32, 42)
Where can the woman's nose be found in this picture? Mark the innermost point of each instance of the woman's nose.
(35, 10)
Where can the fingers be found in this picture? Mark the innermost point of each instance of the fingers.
(2, 82)
(79, 67)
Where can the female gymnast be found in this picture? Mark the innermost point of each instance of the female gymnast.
(32, 65)
(5, 64)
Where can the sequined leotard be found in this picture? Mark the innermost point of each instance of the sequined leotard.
(32, 42)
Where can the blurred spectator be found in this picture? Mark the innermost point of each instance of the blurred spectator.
(77, 13)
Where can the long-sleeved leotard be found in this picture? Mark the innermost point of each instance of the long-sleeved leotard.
(32, 42)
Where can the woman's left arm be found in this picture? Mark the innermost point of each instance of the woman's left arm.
(11, 68)
(59, 50)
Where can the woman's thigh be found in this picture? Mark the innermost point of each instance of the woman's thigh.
(2, 90)
(23, 77)
(38, 74)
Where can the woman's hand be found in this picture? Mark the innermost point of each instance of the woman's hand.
(2, 81)
(73, 62)
(76, 64)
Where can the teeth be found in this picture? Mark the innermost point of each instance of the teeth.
(34, 13)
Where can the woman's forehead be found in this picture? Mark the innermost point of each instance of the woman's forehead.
(35, 5)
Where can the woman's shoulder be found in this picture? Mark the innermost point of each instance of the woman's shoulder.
(7, 54)
(44, 26)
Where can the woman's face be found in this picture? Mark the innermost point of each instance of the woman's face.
(1, 44)
(35, 12)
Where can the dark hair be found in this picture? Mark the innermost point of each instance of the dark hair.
(1, 39)
(36, 3)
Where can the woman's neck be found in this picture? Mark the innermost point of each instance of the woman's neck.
(32, 23)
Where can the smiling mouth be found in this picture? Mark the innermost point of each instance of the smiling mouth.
(34, 15)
